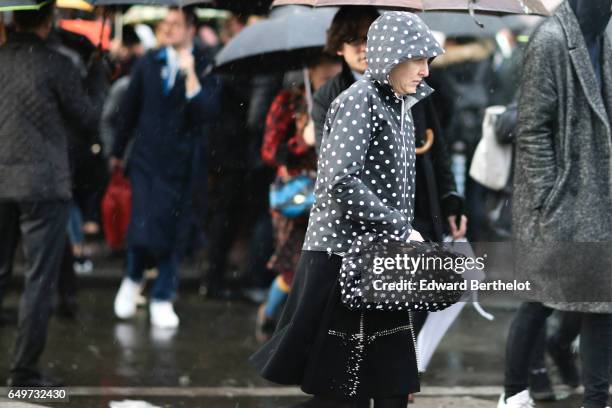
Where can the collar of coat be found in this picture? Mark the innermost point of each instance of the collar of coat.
(423, 91)
(581, 61)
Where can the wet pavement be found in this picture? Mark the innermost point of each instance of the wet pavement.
(204, 363)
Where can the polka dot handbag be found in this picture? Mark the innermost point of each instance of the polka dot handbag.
(380, 272)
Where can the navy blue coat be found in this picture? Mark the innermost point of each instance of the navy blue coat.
(168, 130)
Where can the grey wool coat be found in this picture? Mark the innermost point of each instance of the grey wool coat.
(365, 174)
(563, 182)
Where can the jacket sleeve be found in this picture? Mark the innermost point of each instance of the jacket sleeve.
(505, 125)
(129, 108)
(110, 112)
(538, 104)
(81, 102)
(319, 111)
(451, 202)
(204, 106)
(344, 153)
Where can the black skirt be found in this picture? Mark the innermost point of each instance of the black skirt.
(318, 344)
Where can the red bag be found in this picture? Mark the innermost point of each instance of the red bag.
(116, 210)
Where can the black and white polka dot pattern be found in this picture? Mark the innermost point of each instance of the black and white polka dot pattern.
(365, 180)
(357, 280)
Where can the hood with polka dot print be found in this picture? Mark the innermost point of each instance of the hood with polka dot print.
(365, 175)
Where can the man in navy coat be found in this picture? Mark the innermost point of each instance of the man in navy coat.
(168, 101)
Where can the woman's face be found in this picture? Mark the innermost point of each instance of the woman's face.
(406, 76)
(354, 51)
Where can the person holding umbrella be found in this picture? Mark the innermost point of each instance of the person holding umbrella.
(168, 101)
(41, 97)
(365, 183)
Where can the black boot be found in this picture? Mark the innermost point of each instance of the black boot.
(565, 361)
(540, 387)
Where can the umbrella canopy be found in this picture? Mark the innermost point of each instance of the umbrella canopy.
(242, 6)
(13, 5)
(287, 40)
(462, 24)
(168, 3)
(499, 7)
(97, 32)
(152, 14)
(236, 6)
(75, 4)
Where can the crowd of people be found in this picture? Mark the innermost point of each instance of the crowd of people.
(213, 158)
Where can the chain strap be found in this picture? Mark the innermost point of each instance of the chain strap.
(414, 342)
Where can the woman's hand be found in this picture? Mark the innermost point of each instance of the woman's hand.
(457, 232)
(308, 134)
(283, 173)
(415, 236)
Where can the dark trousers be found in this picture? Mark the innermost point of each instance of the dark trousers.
(226, 201)
(67, 281)
(237, 196)
(595, 350)
(596, 354)
(564, 336)
(43, 231)
(166, 283)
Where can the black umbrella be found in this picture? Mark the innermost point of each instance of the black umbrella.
(498, 7)
(242, 6)
(236, 6)
(168, 3)
(287, 40)
(14, 5)
(462, 24)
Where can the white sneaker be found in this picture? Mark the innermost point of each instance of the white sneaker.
(520, 400)
(162, 315)
(125, 301)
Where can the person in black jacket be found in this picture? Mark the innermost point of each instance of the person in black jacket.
(41, 95)
(438, 206)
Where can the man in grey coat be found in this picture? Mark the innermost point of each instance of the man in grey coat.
(562, 211)
(40, 92)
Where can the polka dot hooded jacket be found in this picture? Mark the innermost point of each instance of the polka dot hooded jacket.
(366, 168)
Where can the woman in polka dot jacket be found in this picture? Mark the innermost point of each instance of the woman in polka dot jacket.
(365, 183)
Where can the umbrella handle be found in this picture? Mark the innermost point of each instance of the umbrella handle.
(479, 308)
(118, 22)
(307, 86)
(471, 4)
(429, 140)
(104, 17)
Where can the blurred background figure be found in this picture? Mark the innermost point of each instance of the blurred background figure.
(125, 54)
(209, 38)
(167, 121)
(35, 192)
(291, 152)
(240, 239)
(463, 78)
